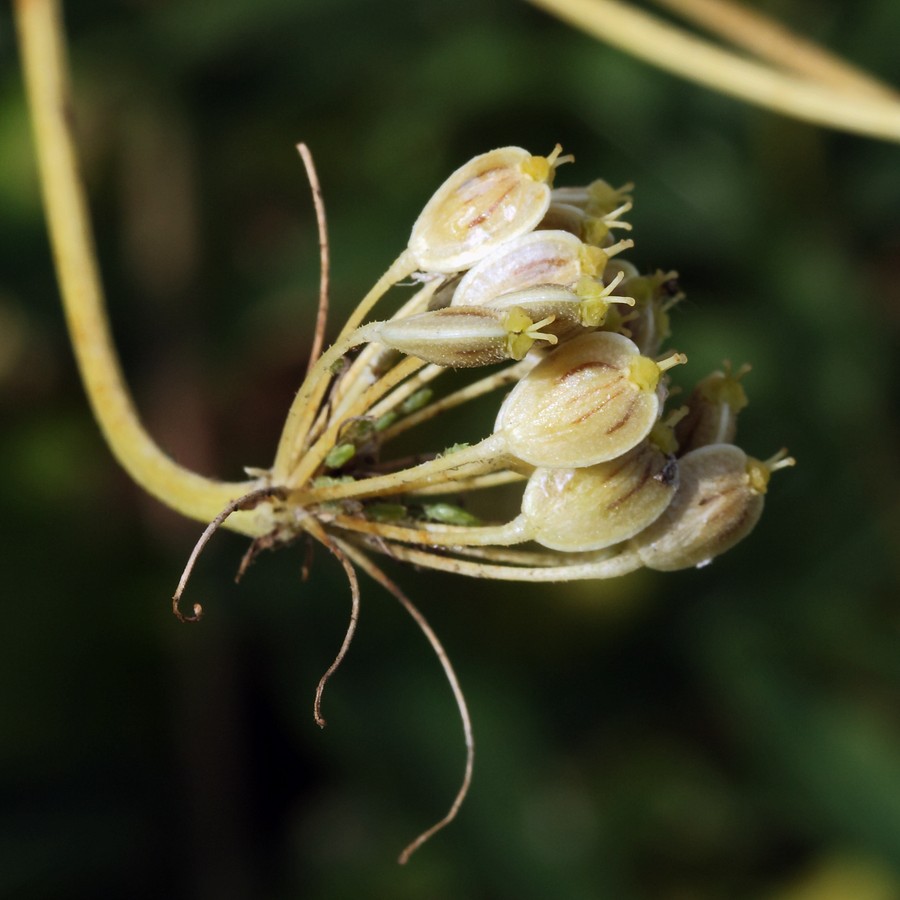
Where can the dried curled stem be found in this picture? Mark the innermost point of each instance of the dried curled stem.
(338, 552)
(378, 575)
(246, 503)
(324, 254)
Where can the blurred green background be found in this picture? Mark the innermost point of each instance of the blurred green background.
(732, 732)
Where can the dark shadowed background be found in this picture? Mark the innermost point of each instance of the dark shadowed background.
(732, 732)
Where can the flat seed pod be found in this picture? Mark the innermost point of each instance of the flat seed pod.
(590, 400)
(573, 309)
(461, 336)
(536, 258)
(718, 502)
(491, 199)
(576, 510)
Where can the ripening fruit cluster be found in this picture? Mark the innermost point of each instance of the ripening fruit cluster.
(514, 271)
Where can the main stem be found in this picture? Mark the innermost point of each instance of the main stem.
(42, 42)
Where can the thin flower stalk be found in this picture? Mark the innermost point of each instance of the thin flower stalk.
(468, 735)
(476, 389)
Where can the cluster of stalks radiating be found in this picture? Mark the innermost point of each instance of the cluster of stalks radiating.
(525, 286)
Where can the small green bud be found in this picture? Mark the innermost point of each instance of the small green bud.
(388, 513)
(358, 431)
(339, 456)
(324, 481)
(382, 423)
(416, 401)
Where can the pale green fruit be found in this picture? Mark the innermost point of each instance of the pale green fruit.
(719, 500)
(571, 310)
(713, 409)
(536, 258)
(590, 400)
(461, 336)
(589, 212)
(576, 510)
(493, 198)
(620, 265)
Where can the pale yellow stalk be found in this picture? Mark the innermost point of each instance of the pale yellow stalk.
(769, 39)
(681, 53)
(316, 454)
(304, 408)
(357, 377)
(605, 566)
(478, 483)
(436, 535)
(42, 43)
(478, 459)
